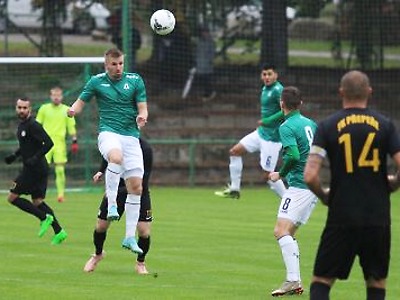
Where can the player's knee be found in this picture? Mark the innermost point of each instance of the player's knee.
(237, 150)
(11, 197)
(143, 229)
(102, 225)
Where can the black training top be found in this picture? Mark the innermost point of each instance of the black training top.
(357, 142)
(34, 142)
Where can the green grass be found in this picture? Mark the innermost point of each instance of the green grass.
(202, 247)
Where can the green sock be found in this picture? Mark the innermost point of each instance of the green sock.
(60, 179)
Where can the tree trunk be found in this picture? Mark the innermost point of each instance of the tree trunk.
(274, 45)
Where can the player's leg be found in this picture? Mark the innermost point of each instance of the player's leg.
(269, 155)
(145, 217)
(374, 260)
(22, 185)
(295, 209)
(335, 256)
(111, 149)
(60, 159)
(249, 143)
(144, 227)
(100, 231)
(134, 169)
(38, 195)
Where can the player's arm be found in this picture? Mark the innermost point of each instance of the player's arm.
(292, 156)
(279, 116)
(76, 108)
(312, 173)
(39, 134)
(9, 159)
(141, 118)
(394, 179)
(40, 115)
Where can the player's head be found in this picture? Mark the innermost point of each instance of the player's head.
(23, 108)
(56, 95)
(291, 98)
(355, 87)
(114, 63)
(269, 74)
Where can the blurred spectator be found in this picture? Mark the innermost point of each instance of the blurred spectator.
(205, 54)
(174, 57)
(115, 22)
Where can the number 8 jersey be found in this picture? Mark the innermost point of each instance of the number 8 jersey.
(357, 142)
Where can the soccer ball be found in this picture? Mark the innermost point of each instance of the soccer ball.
(162, 22)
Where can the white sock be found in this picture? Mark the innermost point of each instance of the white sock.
(278, 187)
(290, 254)
(132, 210)
(113, 173)
(235, 169)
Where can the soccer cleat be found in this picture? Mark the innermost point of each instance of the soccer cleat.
(131, 244)
(113, 214)
(91, 264)
(59, 237)
(228, 193)
(60, 199)
(288, 288)
(45, 224)
(140, 268)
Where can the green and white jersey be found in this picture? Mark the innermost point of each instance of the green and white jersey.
(117, 101)
(270, 104)
(297, 131)
(55, 121)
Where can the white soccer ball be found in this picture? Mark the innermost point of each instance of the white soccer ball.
(162, 22)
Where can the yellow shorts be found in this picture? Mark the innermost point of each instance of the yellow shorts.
(58, 153)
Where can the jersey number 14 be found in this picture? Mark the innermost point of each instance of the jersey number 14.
(368, 157)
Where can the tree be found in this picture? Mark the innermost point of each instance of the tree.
(274, 45)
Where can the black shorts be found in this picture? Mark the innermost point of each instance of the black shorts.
(145, 206)
(340, 245)
(31, 182)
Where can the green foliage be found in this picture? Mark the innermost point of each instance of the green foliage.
(203, 247)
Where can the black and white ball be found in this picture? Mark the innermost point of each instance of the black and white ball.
(162, 22)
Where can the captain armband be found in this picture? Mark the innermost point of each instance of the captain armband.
(318, 150)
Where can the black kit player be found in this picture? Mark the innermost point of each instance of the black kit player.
(145, 217)
(34, 143)
(357, 141)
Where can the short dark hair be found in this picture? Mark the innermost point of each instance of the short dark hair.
(268, 66)
(291, 97)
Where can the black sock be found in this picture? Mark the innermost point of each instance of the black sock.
(319, 291)
(144, 244)
(98, 241)
(375, 293)
(47, 209)
(27, 206)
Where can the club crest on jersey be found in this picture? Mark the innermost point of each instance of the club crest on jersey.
(23, 133)
(126, 86)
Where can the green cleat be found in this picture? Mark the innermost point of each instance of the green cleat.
(59, 237)
(45, 224)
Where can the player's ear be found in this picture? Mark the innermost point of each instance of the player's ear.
(341, 92)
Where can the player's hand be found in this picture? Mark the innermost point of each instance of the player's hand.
(97, 176)
(74, 147)
(31, 160)
(70, 112)
(141, 121)
(274, 176)
(9, 159)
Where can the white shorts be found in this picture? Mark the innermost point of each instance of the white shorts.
(269, 151)
(297, 205)
(132, 155)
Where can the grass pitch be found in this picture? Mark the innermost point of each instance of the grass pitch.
(203, 247)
